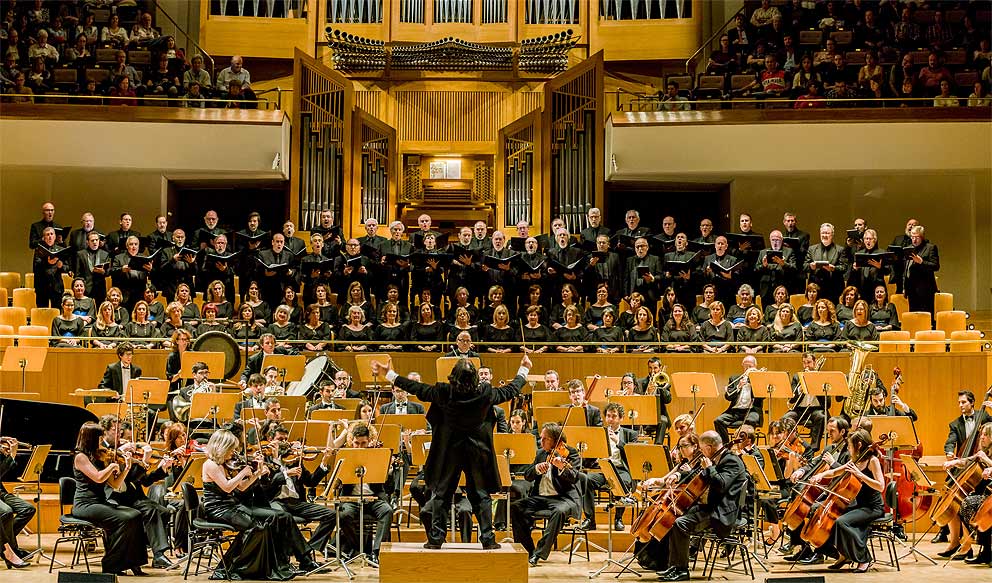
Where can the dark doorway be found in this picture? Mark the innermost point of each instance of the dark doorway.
(687, 203)
(188, 202)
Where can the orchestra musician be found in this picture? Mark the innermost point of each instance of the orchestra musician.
(325, 399)
(744, 406)
(378, 508)
(616, 437)
(963, 426)
(15, 513)
(972, 503)
(877, 406)
(254, 395)
(118, 374)
(663, 391)
(807, 410)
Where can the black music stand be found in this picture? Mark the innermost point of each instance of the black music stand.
(32, 475)
(830, 383)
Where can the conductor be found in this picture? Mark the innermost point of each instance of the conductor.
(462, 419)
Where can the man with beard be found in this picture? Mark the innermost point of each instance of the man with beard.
(643, 273)
(826, 264)
(176, 267)
(773, 270)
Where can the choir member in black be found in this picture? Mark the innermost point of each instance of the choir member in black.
(897, 407)
(78, 237)
(351, 266)
(535, 334)
(311, 272)
(532, 269)
(644, 272)
(744, 407)
(461, 301)
(248, 242)
(554, 494)
(752, 331)
(498, 334)
(462, 270)
(775, 271)
(140, 327)
(184, 297)
(495, 297)
(390, 330)
(156, 309)
(805, 312)
(69, 327)
(355, 333)
(679, 331)
(287, 488)
(15, 513)
(209, 322)
(572, 334)
(859, 327)
(104, 328)
(282, 329)
(785, 331)
(261, 312)
(973, 501)
(355, 297)
(745, 301)
(83, 306)
(94, 471)
(462, 347)
(701, 311)
(716, 331)
(684, 280)
(867, 273)
(845, 303)
(92, 265)
(291, 300)
(396, 271)
(216, 294)
(724, 472)
(726, 282)
(706, 234)
(668, 301)
(604, 269)
(535, 298)
(295, 245)
(633, 229)
(174, 266)
(902, 241)
(566, 254)
(668, 232)
(215, 267)
(824, 329)
(161, 237)
(608, 336)
(592, 318)
(849, 537)
(274, 281)
(427, 331)
(780, 297)
(206, 234)
(747, 251)
(267, 345)
(431, 276)
(424, 226)
(314, 332)
(116, 241)
(259, 551)
(596, 229)
(377, 507)
(116, 297)
(919, 269)
(328, 311)
(371, 237)
(48, 265)
(463, 323)
(329, 232)
(804, 408)
(36, 231)
(883, 313)
(480, 240)
(569, 299)
(503, 274)
(799, 243)
(826, 263)
(643, 333)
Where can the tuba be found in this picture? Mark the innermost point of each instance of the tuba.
(860, 379)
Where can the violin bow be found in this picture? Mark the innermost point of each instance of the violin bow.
(586, 398)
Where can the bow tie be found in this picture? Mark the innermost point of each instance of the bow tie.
(125, 368)
(969, 418)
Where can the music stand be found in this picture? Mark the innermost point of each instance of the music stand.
(216, 363)
(557, 415)
(639, 410)
(420, 444)
(408, 422)
(289, 366)
(829, 383)
(650, 459)
(26, 358)
(774, 384)
(364, 364)
(694, 385)
(590, 441)
(919, 477)
(550, 399)
(361, 466)
(507, 447)
(443, 365)
(191, 474)
(607, 386)
(761, 484)
(332, 415)
(215, 406)
(32, 475)
(89, 396)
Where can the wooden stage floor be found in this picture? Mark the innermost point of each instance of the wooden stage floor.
(558, 570)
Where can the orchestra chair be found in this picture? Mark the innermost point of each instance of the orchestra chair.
(930, 335)
(881, 531)
(236, 300)
(894, 335)
(951, 320)
(9, 280)
(6, 330)
(198, 301)
(24, 297)
(797, 301)
(77, 531)
(900, 302)
(205, 538)
(973, 344)
(13, 316)
(913, 322)
(43, 316)
(33, 336)
(737, 542)
(29, 280)
(699, 299)
(160, 299)
(943, 302)
(623, 306)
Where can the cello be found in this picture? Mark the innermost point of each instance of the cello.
(800, 506)
(906, 489)
(682, 499)
(965, 481)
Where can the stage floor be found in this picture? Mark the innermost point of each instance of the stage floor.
(558, 570)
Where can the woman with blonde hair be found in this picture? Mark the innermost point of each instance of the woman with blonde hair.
(105, 330)
(217, 295)
(824, 329)
(572, 333)
(356, 332)
(716, 332)
(786, 332)
(499, 335)
(859, 327)
(141, 328)
(752, 331)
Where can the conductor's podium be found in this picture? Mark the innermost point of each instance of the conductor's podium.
(454, 562)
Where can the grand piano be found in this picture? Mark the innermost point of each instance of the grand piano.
(40, 423)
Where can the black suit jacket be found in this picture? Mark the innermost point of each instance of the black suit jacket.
(273, 484)
(920, 279)
(246, 404)
(113, 377)
(726, 480)
(956, 435)
(564, 481)
(411, 408)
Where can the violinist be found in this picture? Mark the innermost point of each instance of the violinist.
(94, 471)
(973, 503)
(877, 405)
(807, 410)
(616, 437)
(179, 447)
(287, 488)
(554, 493)
(744, 406)
(273, 415)
(15, 513)
(849, 537)
(724, 474)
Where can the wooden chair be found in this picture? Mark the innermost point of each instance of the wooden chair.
(797, 301)
(942, 302)
(25, 298)
(6, 330)
(67, 283)
(930, 339)
(3, 297)
(952, 321)
(10, 280)
(973, 338)
(893, 336)
(33, 336)
(28, 280)
(900, 302)
(43, 317)
(14, 316)
(913, 322)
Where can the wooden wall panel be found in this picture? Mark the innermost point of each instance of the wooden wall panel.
(449, 116)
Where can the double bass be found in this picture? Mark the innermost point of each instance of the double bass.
(965, 481)
(907, 490)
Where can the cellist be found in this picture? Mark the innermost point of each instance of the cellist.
(849, 537)
(972, 503)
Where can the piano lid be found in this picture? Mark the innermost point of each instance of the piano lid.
(39, 423)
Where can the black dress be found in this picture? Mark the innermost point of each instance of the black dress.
(850, 533)
(389, 335)
(594, 314)
(125, 540)
(822, 333)
(321, 333)
(536, 336)
(716, 335)
(566, 336)
(866, 333)
(759, 334)
(69, 329)
(886, 317)
(349, 336)
(792, 332)
(608, 338)
(428, 335)
(673, 336)
(255, 552)
(263, 312)
(501, 338)
(700, 314)
(645, 336)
